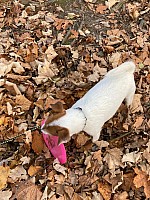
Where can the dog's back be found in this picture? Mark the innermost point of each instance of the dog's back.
(101, 102)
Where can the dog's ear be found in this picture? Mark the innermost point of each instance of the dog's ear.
(57, 112)
(63, 136)
(61, 132)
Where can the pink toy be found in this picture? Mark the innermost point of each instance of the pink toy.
(58, 151)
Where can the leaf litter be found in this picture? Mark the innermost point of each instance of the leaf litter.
(50, 52)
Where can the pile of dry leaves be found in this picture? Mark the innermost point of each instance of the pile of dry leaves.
(56, 51)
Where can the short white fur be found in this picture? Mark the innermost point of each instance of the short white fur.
(101, 102)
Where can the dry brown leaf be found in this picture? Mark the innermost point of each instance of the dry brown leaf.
(28, 191)
(141, 179)
(102, 144)
(37, 142)
(132, 157)
(5, 195)
(96, 73)
(110, 3)
(146, 61)
(146, 152)
(97, 155)
(59, 179)
(4, 173)
(28, 136)
(17, 68)
(105, 190)
(12, 88)
(51, 53)
(44, 73)
(49, 101)
(77, 197)
(136, 104)
(138, 122)
(4, 69)
(58, 167)
(69, 191)
(115, 59)
(40, 103)
(9, 109)
(101, 8)
(18, 173)
(25, 160)
(113, 158)
(35, 113)
(19, 78)
(81, 140)
(33, 170)
(122, 196)
(23, 102)
(97, 196)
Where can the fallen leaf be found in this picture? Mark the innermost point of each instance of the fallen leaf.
(69, 191)
(81, 140)
(23, 102)
(115, 59)
(146, 152)
(96, 73)
(4, 173)
(138, 122)
(37, 142)
(5, 195)
(4, 69)
(33, 170)
(113, 158)
(51, 53)
(110, 3)
(58, 167)
(45, 193)
(132, 157)
(136, 104)
(101, 8)
(97, 196)
(25, 160)
(105, 190)
(122, 196)
(9, 109)
(18, 173)
(17, 68)
(141, 179)
(45, 73)
(97, 155)
(12, 88)
(26, 191)
(49, 101)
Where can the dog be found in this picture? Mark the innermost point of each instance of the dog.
(96, 107)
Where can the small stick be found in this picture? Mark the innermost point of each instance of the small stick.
(119, 137)
(80, 27)
(66, 37)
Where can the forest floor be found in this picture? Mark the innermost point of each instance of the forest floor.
(54, 51)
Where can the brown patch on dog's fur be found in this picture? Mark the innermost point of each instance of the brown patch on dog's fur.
(57, 112)
(61, 132)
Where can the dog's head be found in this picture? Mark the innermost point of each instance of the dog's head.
(62, 133)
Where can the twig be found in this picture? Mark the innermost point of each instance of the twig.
(66, 37)
(80, 27)
(119, 137)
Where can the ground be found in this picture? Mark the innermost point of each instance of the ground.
(54, 51)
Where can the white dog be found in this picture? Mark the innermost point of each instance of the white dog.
(96, 107)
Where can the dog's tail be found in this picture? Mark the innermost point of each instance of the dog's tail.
(126, 67)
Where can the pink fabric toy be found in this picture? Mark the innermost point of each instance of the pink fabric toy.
(58, 151)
